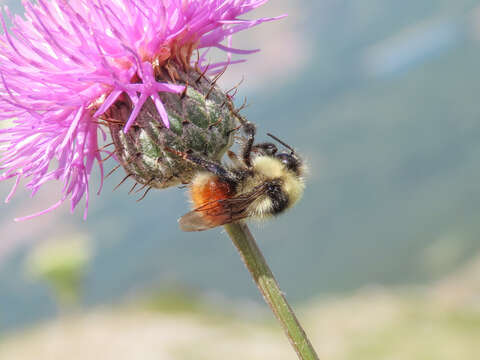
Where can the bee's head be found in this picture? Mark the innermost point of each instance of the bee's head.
(291, 161)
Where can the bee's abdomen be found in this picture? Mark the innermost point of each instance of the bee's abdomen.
(207, 188)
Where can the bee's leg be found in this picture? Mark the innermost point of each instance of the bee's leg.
(210, 166)
(249, 129)
(237, 163)
(267, 148)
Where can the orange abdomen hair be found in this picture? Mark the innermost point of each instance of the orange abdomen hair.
(206, 191)
(207, 188)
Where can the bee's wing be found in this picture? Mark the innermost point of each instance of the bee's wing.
(220, 212)
(196, 221)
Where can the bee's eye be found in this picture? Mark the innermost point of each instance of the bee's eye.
(290, 162)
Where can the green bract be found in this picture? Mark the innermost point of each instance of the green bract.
(201, 121)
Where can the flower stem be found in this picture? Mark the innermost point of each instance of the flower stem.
(268, 286)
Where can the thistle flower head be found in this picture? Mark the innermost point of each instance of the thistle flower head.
(64, 64)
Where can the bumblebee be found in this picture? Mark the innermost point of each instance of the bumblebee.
(259, 184)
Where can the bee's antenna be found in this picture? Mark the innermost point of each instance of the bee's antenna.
(281, 142)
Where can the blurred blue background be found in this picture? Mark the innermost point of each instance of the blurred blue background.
(381, 97)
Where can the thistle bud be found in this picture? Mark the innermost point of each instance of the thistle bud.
(70, 67)
(201, 120)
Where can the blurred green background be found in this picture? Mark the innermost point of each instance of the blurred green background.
(381, 97)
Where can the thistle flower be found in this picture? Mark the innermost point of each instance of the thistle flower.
(66, 65)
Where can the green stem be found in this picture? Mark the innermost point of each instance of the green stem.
(268, 286)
